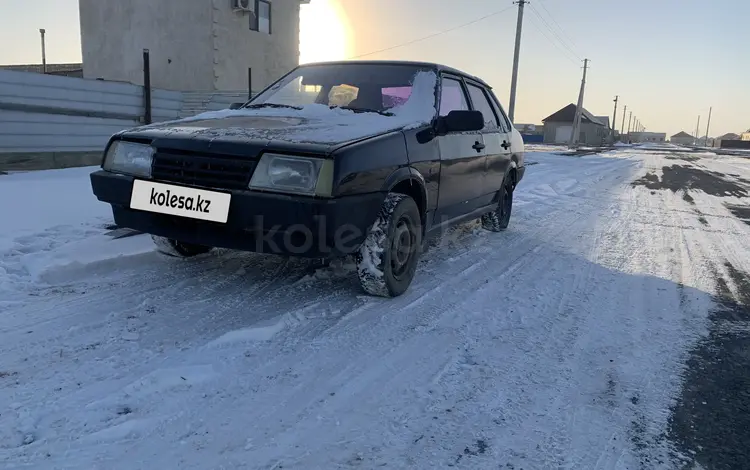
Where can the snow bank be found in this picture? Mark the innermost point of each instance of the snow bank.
(53, 229)
(317, 123)
(38, 200)
(84, 257)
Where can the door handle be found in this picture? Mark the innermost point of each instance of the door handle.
(478, 146)
(505, 145)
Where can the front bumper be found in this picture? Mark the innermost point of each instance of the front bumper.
(260, 222)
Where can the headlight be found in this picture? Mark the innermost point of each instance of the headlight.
(129, 157)
(299, 175)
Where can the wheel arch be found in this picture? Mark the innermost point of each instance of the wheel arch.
(409, 181)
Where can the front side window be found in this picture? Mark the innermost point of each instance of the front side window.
(261, 20)
(452, 97)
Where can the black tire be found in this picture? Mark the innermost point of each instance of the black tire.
(178, 249)
(499, 219)
(387, 260)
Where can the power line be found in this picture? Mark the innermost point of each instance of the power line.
(570, 40)
(547, 25)
(435, 34)
(564, 52)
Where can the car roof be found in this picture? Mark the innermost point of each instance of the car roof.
(433, 65)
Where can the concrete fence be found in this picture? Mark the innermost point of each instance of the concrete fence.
(196, 102)
(57, 122)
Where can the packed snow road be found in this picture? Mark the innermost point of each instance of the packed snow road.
(583, 337)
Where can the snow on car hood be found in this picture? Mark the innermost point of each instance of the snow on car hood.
(314, 123)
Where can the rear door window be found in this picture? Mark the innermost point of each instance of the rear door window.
(481, 103)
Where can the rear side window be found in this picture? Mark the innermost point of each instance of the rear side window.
(481, 103)
(452, 97)
(504, 121)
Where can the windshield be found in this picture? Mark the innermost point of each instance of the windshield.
(366, 87)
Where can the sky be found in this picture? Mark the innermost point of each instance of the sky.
(668, 60)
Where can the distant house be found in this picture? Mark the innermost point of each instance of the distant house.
(745, 135)
(729, 136)
(604, 120)
(682, 138)
(558, 127)
(68, 70)
(637, 137)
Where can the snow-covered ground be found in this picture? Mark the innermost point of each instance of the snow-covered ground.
(560, 343)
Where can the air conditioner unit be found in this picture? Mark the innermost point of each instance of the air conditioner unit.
(243, 5)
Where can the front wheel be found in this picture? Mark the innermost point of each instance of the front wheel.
(178, 249)
(387, 260)
(499, 219)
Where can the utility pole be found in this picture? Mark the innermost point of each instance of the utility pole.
(697, 127)
(44, 51)
(630, 119)
(516, 54)
(708, 126)
(622, 127)
(614, 116)
(579, 108)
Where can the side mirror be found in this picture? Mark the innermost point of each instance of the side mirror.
(236, 105)
(463, 121)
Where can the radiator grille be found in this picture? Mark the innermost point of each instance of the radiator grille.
(207, 170)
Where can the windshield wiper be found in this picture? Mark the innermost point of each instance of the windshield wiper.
(272, 105)
(364, 110)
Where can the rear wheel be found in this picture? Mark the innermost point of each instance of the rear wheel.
(387, 260)
(172, 247)
(499, 219)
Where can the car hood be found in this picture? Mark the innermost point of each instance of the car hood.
(321, 129)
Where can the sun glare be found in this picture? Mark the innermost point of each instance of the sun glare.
(323, 32)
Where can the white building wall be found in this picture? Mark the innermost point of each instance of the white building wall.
(177, 34)
(195, 45)
(237, 47)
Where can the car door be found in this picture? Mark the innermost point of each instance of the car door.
(497, 141)
(462, 158)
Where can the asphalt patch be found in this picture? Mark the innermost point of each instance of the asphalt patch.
(682, 178)
(687, 158)
(711, 420)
